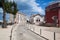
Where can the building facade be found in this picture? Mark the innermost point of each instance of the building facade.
(11, 20)
(37, 19)
(20, 18)
(52, 16)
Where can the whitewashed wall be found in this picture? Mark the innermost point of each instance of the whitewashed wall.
(11, 18)
(20, 18)
(38, 17)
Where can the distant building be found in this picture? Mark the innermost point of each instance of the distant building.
(20, 18)
(11, 19)
(52, 16)
(37, 19)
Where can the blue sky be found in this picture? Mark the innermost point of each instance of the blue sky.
(29, 7)
(32, 6)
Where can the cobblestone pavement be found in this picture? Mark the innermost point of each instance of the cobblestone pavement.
(21, 32)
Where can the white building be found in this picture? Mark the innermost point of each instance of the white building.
(11, 18)
(37, 19)
(20, 18)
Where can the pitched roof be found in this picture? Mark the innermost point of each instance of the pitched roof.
(54, 2)
(34, 15)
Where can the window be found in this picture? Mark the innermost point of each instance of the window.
(38, 20)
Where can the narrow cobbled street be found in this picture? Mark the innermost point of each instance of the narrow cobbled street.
(21, 32)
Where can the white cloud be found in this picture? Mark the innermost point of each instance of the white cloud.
(10, 0)
(33, 4)
(35, 7)
(1, 10)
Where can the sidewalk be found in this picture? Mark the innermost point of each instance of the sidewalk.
(50, 33)
(5, 32)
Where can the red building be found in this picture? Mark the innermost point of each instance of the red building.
(52, 16)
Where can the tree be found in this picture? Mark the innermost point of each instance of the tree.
(0, 3)
(13, 9)
(4, 14)
(7, 8)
